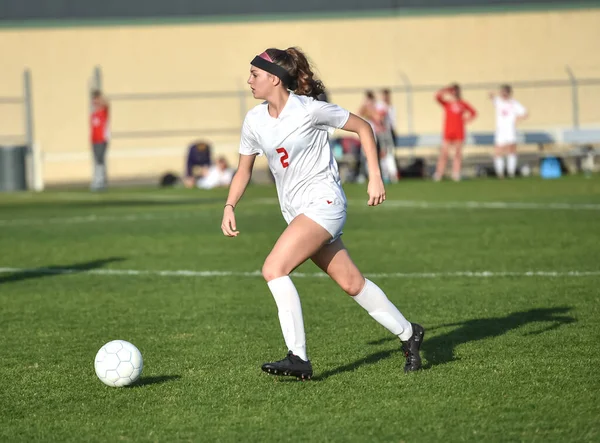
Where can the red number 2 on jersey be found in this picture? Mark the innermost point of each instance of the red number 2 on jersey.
(284, 157)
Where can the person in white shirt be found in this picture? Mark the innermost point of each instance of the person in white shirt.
(386, 99)
(368, 111)
(387, 137)
(291, 128)
(217, 176)
(508, 113)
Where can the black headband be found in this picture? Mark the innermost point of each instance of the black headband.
(274, 69)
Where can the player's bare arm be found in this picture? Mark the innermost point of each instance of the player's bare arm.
(236, 190)
(375, 189)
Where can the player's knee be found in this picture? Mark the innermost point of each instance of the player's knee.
(352, 284)
(271, 270)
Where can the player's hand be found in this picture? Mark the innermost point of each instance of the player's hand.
(376, 192)
(228, 224)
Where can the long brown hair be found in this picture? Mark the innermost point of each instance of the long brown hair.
(296, 64)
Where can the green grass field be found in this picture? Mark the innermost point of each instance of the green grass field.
(505, 277)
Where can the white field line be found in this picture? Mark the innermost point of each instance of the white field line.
(204, 274)
(491, 205)
(161, 197)
(421, 204)
(90, 196)
(93, 218)
(392, 204)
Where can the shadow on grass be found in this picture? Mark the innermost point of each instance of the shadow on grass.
(155, 380)
(369, 360)
(75, 268)
(440, 349)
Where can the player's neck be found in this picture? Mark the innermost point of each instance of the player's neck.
(277, 102)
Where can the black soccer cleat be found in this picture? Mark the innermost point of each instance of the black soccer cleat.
(291, 365)
(411, 349)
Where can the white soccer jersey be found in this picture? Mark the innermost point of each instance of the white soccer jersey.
(507, 112)
(297, 148)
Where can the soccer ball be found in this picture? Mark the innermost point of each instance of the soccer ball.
(118, 363)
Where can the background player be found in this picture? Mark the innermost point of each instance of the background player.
(291, 129)
(368, 111)
(458, 113)
(99, 137)
(387, 137)
(508, 112)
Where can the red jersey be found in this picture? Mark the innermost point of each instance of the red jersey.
(99, 125)
(456, 113)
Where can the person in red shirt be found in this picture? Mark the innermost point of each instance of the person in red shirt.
(99, 138)
(458, 114)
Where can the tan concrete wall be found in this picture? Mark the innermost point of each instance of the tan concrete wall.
(347, 53)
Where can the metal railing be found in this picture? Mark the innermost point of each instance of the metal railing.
(571, 82)
(241, 94)
(24, 136)
(404, 87)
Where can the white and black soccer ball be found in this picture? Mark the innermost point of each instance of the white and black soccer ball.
(118, 363)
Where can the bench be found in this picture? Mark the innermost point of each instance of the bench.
(534, 145)
(478, 139)
(581, 136)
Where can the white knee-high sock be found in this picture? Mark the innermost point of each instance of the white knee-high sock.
(499, 166)
(375, 302)
(511, 164)
(290, 314)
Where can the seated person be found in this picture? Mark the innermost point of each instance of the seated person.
(219, 175)
(198, 163)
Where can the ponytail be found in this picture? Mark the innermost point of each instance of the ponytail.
(296, 64)
(306, 84)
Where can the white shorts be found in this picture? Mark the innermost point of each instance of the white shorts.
(331, 216)
(505, 138)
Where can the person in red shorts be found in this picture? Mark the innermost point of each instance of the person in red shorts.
(458, 114)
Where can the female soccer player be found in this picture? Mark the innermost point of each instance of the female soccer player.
(458, 113)
(508, 113)
(291, 129)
